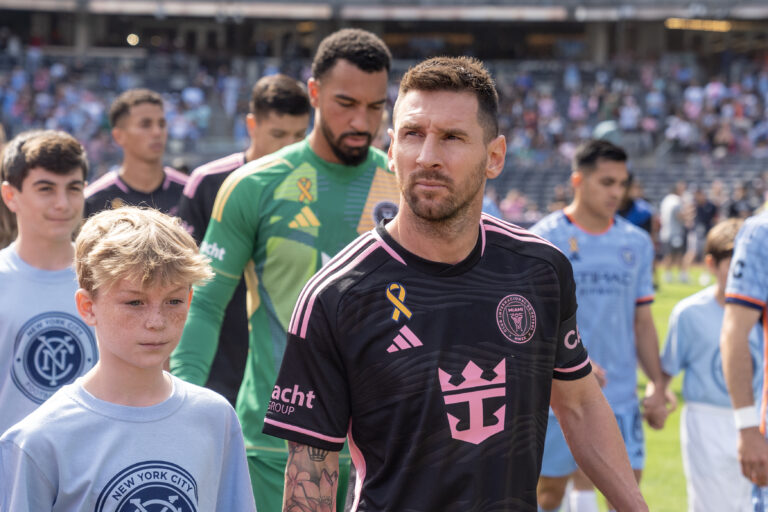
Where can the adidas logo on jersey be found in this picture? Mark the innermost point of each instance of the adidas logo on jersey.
(404, 340)
(305, 219)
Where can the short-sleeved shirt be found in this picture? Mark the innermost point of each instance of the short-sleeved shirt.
(195, 209)
(693, 346)
(44, 344)
(79, 453)
(277, 220)
(748, 276)
(440, 375)
(613, 273)
(110, 191)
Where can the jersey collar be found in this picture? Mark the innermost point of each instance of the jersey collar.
(434, 268)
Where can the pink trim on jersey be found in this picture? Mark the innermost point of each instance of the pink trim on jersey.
(343, 270)
(482, 237)
(571, 370)
(514, 231)
(359, 461)
(335, 263)
(387, 248)
(415, 341)
(226, 164)
(173, 176)
(497, 229)
(304, 431)
(107, 180)
(644, 300)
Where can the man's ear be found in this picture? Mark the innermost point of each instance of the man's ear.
(84, 302)
(313, 88)
(250, 124)
(576, 178)
(497, 153)
(189, 299)
(117, 135)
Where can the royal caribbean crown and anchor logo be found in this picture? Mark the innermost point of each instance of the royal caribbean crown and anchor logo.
(151, 486)
(51, 350)
(473, 391)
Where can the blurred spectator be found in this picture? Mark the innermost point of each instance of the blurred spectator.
(672, 233)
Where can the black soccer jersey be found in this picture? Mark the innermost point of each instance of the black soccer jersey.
(110, 191)
(195, 209)
(439, 374)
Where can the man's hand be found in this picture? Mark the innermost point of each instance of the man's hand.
(753, 455)
(658, 403)
(599, 372)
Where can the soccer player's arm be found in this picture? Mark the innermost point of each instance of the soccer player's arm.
(23, 486)
(745, 294)
(310, 408)
(586, 418)
(229, 242)
(659, 401)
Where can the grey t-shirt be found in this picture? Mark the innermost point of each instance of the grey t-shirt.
(79, 453)
(44, 344)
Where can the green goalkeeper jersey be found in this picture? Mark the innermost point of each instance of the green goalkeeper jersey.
(277, 220)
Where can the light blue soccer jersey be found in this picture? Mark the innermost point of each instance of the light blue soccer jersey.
(613, 273)
(748, 276)
(693, 346)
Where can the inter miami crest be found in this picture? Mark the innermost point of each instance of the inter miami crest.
(51, 350)
(151, 486)
(516, 318)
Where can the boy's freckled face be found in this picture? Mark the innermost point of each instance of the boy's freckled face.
(139, 326)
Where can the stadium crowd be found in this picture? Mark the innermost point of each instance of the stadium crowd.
(129, 116)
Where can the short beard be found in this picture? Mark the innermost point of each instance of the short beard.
(352, 156)
(454, 207)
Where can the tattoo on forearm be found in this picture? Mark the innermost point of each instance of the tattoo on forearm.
(311, 478)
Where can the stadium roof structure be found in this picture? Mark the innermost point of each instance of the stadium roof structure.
(475, 10)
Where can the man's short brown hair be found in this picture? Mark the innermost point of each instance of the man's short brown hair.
(720, 239)
(458, 74)
(122, 105)
(137, 243)
(590, 152)
(55, 151)
(280, 94)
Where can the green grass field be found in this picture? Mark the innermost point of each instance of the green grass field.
(663, 483)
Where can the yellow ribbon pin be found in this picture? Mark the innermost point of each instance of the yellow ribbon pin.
(305, 185)
(398, 301)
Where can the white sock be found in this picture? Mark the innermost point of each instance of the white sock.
(583, 501)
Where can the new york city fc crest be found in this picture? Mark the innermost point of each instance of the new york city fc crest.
(516, 318)
(52, 349)
(151, 486)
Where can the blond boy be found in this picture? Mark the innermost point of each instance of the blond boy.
(708, 434)
(127, 435)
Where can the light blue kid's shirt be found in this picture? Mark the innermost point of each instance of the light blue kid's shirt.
(77, 453)
(693, 346)
(613, 273)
